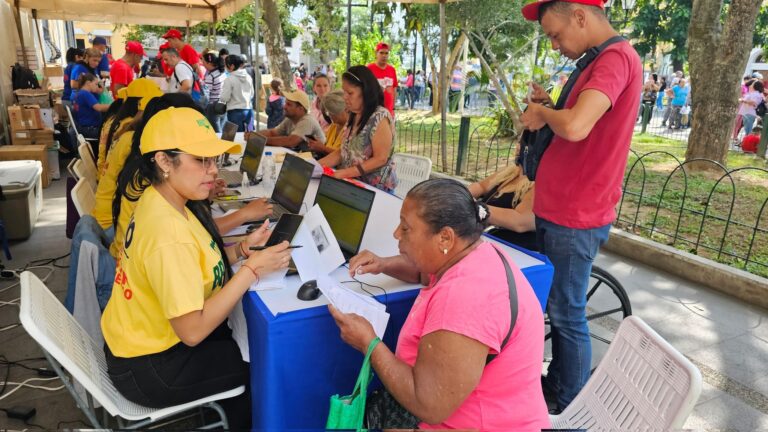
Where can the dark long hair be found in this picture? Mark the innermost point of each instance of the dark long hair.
(113, 109)
(235, 61)
(214, 60)
(373, 97)
(140, 172)
(72, 52)
(129, 109)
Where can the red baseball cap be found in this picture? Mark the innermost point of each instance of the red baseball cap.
(531, 10)
(382, 45)
(134, 47)
(173, 34)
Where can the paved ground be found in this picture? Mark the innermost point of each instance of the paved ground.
(726, 338)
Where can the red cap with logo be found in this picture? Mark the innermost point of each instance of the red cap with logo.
(173, 34)
(382, 45)
(134, 47)
(531, 10)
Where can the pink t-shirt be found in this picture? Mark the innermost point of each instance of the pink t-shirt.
(472, 299)
(578, 184)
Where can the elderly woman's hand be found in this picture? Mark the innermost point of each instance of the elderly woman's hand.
(366, 262)
(316, 146)
(355, 330)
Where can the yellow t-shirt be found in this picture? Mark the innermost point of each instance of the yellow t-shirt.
(123, 220)
(333, 136)
(170, 265)
(105, 191)
(102, 157)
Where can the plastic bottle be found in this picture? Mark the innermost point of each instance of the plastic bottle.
(245, 185)
(270, 173)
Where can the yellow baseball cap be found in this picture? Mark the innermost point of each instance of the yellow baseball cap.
(299, 97)
(144, 101)
(122, 93)
(143, 87)
(184, 129)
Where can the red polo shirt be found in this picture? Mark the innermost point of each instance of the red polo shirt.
(120, 73)
(387, 78)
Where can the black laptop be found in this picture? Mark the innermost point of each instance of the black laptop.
(346, 207)
(291, 185)
(254, 150)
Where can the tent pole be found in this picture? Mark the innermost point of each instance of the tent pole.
(20, 30)
(256, 63)
(39, 38)
(349, 31)
(443, 82)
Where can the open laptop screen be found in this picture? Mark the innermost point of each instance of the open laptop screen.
(292, 183)
(229, 131)
(252, 155)
(346, 208)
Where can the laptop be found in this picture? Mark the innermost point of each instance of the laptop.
(291, 185)
(229, 131)
(346, 207)
(249, 164)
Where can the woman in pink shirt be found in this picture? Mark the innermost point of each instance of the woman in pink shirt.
(452, 368)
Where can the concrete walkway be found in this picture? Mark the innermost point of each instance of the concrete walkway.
(727, 339)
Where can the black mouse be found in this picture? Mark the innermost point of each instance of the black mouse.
(308, 291)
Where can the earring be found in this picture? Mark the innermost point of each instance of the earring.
(165, 174)
(445, 251)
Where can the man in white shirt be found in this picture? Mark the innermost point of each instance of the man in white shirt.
(182, 79)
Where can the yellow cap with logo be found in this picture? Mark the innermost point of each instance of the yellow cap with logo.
(143, 87)
(122, 93)
(184, 129)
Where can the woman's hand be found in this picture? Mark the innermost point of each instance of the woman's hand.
(259, 236)
(270, 259)
(355, 330)
(257, 209)
(366, 262)
(218, 187)
(316, 146)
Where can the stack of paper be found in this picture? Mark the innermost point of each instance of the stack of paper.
(348, 301)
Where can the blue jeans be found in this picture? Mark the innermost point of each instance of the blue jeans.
(243, 118)
(88, 229)
(749, 123)
(571, 252)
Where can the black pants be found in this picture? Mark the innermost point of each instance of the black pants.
(183, 374)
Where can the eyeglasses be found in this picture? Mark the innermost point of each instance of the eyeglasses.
(206, 161)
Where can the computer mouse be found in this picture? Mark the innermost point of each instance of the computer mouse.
(308, 291)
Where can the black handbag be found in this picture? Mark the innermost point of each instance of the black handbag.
(535, 143)
(382, 411)
(219, 108)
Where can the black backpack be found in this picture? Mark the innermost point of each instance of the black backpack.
(761, 110)
(23, 78)
(535, 143)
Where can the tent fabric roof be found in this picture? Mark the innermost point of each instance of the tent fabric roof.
(156, 12)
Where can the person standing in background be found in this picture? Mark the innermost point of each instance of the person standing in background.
(102, 70)
(386, 75)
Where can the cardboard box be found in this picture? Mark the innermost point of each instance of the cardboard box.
(53, 71)
(28, 152)
(40, 97)
(25, 117)
(30, 137)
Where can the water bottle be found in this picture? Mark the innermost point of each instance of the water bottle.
(270, 173)
(245, 185)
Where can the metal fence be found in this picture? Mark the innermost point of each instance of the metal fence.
(718, 214)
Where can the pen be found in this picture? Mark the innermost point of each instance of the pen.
(228, 197)
(258, 248)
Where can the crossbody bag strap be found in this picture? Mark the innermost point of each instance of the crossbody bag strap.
(582, 64)
(512, 305)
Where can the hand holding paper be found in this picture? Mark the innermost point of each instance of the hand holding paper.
(347, 301)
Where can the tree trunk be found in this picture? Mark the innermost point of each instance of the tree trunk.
(275, 44)
(433, 68)
(717, 55)
(245, 45)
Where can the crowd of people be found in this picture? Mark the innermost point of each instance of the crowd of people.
(462, 361)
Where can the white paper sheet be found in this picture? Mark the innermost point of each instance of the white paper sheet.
(320, 253)
(348, 301)
(269, 281)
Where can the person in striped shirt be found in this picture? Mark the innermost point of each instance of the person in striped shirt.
(214, 79)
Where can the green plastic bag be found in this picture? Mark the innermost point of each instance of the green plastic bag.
(106, 98)
(348, 412)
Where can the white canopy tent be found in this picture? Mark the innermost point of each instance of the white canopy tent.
(180, 13)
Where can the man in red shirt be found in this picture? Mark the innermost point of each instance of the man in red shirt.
(187, 53)
(386, 75)
(578, 182)
(122, 71)
(750, 142)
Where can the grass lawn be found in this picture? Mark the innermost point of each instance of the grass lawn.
(713, 214)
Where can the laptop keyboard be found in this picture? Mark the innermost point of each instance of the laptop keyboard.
(231, 177)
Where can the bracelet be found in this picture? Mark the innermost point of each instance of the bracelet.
(359, 167)
(252, 271)
(242, 250)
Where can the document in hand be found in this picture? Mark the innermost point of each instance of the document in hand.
(348, 301)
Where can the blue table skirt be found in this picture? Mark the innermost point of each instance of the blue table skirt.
(298, 359)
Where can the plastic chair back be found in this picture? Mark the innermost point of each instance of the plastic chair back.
(81, 172)
(71, 120)
(84, 149)
(411, 170)
(56, 331)
(83, 197)
(642, 383)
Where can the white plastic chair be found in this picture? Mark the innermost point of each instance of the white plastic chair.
(642, 383)
(83, 196)
(84, 150)
(68, 347)
(411, 170)
(79, 167)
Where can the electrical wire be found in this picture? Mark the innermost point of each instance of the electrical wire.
(362, 284)
(24, 384)
(10, 327)
(16, 273)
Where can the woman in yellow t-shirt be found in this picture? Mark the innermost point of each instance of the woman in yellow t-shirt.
(333, 105)
(166, 339)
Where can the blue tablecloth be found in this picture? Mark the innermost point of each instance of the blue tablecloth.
(298, 359)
